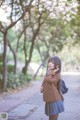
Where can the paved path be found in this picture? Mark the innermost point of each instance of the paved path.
(28, 104)
(11, 101)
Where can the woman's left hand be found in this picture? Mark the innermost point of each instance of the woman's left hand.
(52, 72)
(41, 89)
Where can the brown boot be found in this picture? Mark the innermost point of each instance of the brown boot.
(50, 118)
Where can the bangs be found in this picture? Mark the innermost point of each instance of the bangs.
(50, 60)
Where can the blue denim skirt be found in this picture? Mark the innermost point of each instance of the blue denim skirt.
(53, 108)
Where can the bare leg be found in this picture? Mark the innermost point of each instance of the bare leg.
(53, 117)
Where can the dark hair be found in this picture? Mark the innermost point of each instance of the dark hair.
(56, 60)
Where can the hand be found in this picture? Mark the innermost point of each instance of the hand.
(41, 89)
(62, 97)
(55, 70)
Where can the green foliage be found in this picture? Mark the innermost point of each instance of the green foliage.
(16, 80)
(25, 77)
(9, 57)
(1, 76)
(53, 35)
(1, 57)
(13, 80)
(12, 35)
(69, 0)
(1, 81)
(1, 67)
(69, 58)
(36, 58)
(10, 68)
(1, 36)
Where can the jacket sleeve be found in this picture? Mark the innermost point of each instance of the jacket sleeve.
(41, 89)
(43, 81)
(52, 78)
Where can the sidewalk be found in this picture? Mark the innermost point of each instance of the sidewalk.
(28, 104)
(12, 101)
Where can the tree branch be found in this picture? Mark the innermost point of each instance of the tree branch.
(20, 35)
(1, 2)
(11, 11)
(1, 28)
(24, 12)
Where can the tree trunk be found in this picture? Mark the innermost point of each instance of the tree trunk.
(14, 55)
(24, 70)
(15, 62)
(34, 77)
(5, 62)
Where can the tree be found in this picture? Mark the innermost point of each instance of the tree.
(4, 30)
(42, 25)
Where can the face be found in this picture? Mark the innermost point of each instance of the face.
(51, 66)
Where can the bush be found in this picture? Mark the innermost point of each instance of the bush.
(10, 68)
(25, 77)
(1, 67)
(15, 80)
(1, 81)
(1, 57)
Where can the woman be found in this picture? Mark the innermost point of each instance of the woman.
(50, 88)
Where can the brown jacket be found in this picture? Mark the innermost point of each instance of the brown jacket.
(50, 88)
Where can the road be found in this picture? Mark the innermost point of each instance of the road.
(29, 105)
